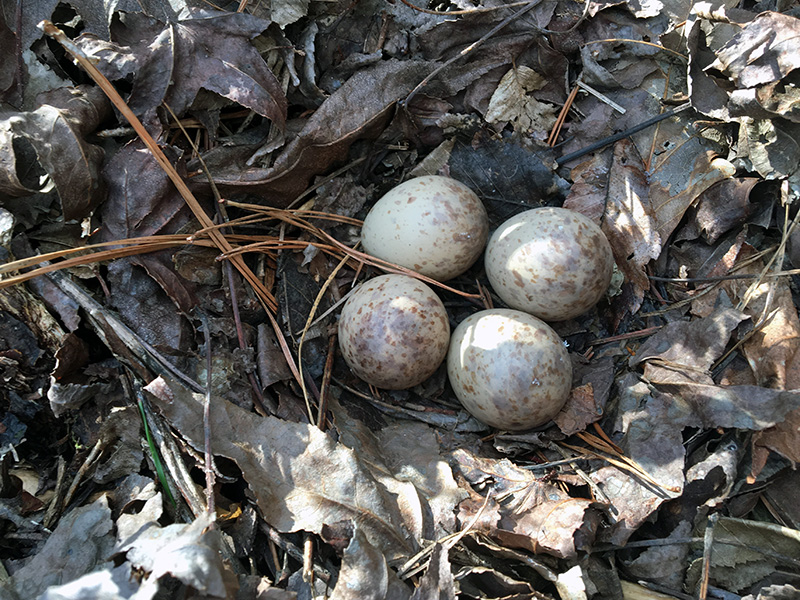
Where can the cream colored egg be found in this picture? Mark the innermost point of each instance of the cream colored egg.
(509, 369)
(434, 225)
(394, 332)
(551, 262)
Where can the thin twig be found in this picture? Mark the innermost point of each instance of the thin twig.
(208, 465)
(622, 134)
(602, 97)
(324, 388)
(708, 544)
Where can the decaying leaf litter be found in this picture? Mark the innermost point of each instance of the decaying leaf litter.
(669, 471)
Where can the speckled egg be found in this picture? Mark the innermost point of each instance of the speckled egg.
(509, 369)
(551, 262)
(393, 332)
(434, 225)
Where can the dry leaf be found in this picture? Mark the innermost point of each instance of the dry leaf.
(210, 50)
(511, 102)
(55, 136)
(301, 478)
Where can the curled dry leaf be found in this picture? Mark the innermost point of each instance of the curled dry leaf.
(756, 59)
(54, 135)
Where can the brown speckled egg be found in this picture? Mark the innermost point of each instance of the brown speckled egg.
(509, 369)
(393, 332)
(434, 225)
(551, 262)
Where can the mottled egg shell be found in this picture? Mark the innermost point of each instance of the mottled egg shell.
(509, 369)
(551, 262)
(394, 332)
(434, 225)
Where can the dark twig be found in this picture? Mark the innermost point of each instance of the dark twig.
(622, 134)
(208, 466)
(326, 382)
(708, 544)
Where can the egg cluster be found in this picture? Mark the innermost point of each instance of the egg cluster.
(507, 367)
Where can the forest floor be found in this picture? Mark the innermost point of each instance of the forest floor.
(181, 196)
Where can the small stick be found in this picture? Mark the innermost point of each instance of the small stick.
(602, 97)
(708, 543)
(326, 382)
(622, 134)
(208, 466)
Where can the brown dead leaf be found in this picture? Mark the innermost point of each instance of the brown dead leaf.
(783, 438)
(561, 528)
(93, 16)
(772, 350)
(506, 175)
(141, 199)
(651, 423)
(511, 102)
(54, 134)
(142, 202)
(210, 50)
(358, 109)
(664, 565)
(405, 457)
(523, 512)
(365, 574)
(580, 410)
(687, 349)
(764, 51)
(301, 477)
(671, 198)
(437, 583)
(746, 551)
(740, 406)
(618, 199)
(10, 87)
(722, 207)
